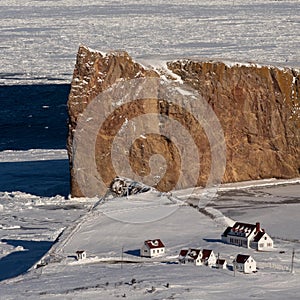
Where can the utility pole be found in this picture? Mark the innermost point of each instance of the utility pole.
(122, 257)
(292, 265)
(218, 260)
(234, 268)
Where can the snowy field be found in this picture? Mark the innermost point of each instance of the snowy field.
(40, 224)
(31, 224)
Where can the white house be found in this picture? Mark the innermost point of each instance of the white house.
(152, 248)
(190, 256)
(244, 263)
(208, 257)
(197, 257)
(221, 263)
(80, 254)
(247, 235)
(262, 242)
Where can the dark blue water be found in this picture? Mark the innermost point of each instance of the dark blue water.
(33, 116)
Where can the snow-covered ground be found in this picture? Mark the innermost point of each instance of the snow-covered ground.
(39, 39)
(36, 230)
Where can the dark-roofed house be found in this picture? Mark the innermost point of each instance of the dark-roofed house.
(191, 255)
(244, 263)
(262, 242)
(221, 263)
(197, 257)
(152, 248)
(247, 235)
(80, 254)
(208, 257)
(182, 256)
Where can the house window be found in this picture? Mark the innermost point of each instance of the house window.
(269, 244)
(261, 245)
(162, 250)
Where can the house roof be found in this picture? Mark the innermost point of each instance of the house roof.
(183, 252)
(227, 230)
(258, 236)
(152, 244)
(240, 228)
(241, 258)
(220, 261)
(194, 253)
(206, 253)
(80, 251)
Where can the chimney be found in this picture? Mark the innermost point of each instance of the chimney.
(257, 227)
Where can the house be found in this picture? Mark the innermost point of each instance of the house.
(182, 257)
(208, 257)
(197, 257)
(152, 248)
(191, 255)
(221, 264)
(262, 242)
(247, 235)
(244, 263)
(80, 254)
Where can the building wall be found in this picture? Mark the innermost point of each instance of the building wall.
(146, 252)
(265, 243)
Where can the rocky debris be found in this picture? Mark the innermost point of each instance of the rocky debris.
(125, 187)
(258, 108)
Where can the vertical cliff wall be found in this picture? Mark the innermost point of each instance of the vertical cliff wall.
(258, 108)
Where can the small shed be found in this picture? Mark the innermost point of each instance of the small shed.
(80, 254)
(244, 263)
(153, 248)
(221, 263)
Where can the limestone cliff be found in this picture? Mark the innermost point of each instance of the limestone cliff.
(258, 108)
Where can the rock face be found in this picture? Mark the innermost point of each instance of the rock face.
(258, 108)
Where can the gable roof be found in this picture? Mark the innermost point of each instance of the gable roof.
(206, 253)
(241, 229)
(241, 258)
(153, 244)
(227, 230)
(80, 251)
(194, 253)
(220, 261)
(183, 252)
(258, 236)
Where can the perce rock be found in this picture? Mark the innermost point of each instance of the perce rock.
(258, 108)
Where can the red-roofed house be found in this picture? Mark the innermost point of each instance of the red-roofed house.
(190, 256)
(244, 263)
(247, 235)
(182, 256)
(221, 263)
(208, 257)
(152, 248)
(262, 242)
(197, 256)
